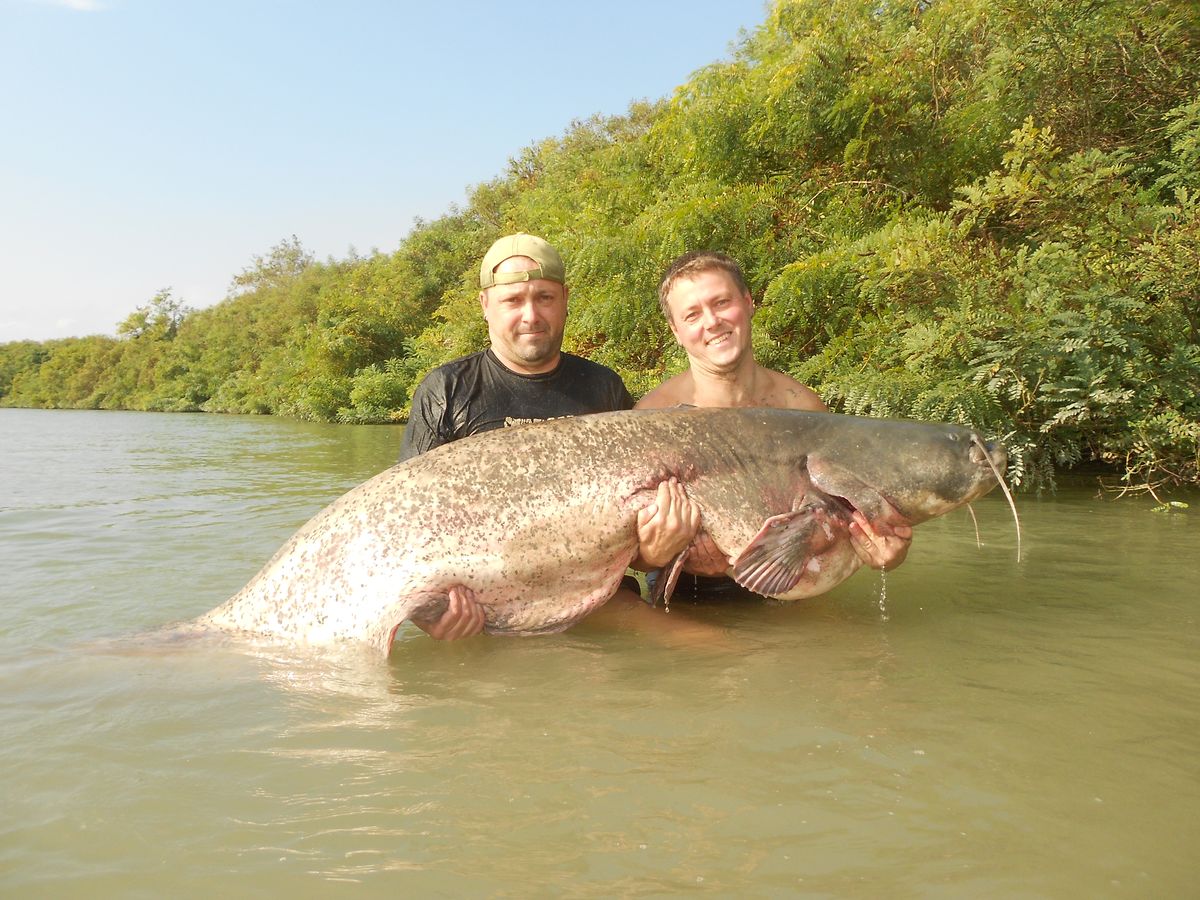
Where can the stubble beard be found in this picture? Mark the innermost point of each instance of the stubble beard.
(536, 349)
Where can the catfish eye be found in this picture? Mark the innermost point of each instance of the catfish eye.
(953, 435)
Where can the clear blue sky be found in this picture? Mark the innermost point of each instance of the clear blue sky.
(153, 143)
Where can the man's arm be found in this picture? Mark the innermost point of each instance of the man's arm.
(463, 617)
(425, 430)
(655, 535)
(665, 527)
(879, 546)
(426, 420)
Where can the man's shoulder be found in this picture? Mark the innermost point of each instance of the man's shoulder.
(578, 365)
(457, 366)
(672, 392)
(452, 373)
(571, 364)
(596, 386)
(786, 392)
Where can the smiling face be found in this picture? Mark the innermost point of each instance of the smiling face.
(525, 319)
(710, 318)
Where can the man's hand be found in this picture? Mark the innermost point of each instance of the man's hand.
(666, 526)
(705, 557)
(463, 617)
(880, 547)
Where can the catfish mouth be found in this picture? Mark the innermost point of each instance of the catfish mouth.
(909, 503)
(868, 498)
(847, 494)
(980, 455)
(843, 506)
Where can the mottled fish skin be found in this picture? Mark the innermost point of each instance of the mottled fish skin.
(540, 520)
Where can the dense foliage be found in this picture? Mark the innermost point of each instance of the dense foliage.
(985, 211)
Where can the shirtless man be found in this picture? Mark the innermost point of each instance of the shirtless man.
(709, 310)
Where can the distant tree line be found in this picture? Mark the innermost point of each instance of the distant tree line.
(982, 211)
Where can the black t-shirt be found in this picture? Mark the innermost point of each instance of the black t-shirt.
(477, 393)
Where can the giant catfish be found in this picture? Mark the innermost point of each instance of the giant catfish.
(540, 520)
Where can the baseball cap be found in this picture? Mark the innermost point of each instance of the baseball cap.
(550, 264)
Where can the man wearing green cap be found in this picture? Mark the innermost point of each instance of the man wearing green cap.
(524, 376)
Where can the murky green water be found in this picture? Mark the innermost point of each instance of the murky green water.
(1003, 731)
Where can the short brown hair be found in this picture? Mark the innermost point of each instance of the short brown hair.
(696, 263)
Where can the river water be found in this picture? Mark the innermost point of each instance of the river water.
(973, 726)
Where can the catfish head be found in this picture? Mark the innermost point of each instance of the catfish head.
(903, 472)
(894, 472)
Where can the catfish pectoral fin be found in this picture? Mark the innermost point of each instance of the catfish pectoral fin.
(775, 560)
(428, 606)
(668, 577)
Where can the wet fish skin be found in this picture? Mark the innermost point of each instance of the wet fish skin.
(540, 520)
